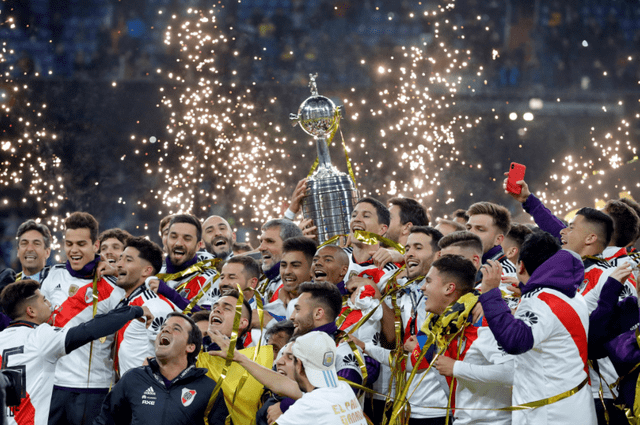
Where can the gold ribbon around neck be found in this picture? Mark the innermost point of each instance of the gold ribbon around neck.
(197, 267)
(200, 294)
(370, 238)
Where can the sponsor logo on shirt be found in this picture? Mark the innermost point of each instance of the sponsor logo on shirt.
(187, 396)
(149, 397)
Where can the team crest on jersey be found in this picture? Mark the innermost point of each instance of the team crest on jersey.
(73, 289)
(187, 396)
(88, 296)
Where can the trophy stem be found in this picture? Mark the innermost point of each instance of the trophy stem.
(324, 159)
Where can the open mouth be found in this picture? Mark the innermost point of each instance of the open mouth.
(357, 226)
(216, 319)
(76, 257)
(164, 341)
(30, 257)
(412, 263)
(219, 242)
(319, 273)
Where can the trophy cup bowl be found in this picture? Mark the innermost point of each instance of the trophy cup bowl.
(317, 116)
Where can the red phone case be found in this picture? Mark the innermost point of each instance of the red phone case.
(516, 173)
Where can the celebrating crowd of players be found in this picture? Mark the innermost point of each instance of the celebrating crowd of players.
(477, 320)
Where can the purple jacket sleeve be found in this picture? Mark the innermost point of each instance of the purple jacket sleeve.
(600, 318)
(173, 296)
(286, 403)
(350, 375)
(512, 334)
(542, 216)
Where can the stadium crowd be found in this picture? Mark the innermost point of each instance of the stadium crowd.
(476, 319)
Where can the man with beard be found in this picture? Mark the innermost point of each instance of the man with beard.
(170, 389)
(318, 306)
(78, 293)
(218, 237)
(140, 259)
(274, 233)
(112, 244)
(185, 233)
(34, 248)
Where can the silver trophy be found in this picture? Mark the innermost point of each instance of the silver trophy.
(331, 195)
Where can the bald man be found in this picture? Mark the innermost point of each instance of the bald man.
(218, 237)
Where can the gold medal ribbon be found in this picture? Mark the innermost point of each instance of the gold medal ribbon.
(370, 238)
(197, 267)
(200, 294)
(230, 351)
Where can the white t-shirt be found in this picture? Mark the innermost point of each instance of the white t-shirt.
(369, 270)
(325, 406)
(474, 390)
(556, 363)
(73, 300)
(34, 351)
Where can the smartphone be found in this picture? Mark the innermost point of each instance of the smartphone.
(516, 173)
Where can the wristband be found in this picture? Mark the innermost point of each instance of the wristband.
(289, 214)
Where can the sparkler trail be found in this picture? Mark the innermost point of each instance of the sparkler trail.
(29, 170)
(228, 154)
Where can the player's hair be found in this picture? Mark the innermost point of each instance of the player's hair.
(235, 294)
(189, 219)
(324, 294)
(626, 222)
(115, 233)
(285, 326)
(602, 222)
(634, 206)
(251, 268)
(339, 255)
(195, 336)
(241, 247)
(39, 227)
(460, 213)
(457, 226)
(411, 211)
(301, 244)
(462, 239)
(458, 269)
(537, 248)
(165, 220)
(148, 250)
(518, 233)
(82, 220)
(201, 316)
(288, 228)
(435, 234)
(501, 216)
(381, 210)
(14, 296)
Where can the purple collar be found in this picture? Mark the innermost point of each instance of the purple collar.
(171, 269)
(329, 328)
(493, 254)
(273, 272)
(87, 271)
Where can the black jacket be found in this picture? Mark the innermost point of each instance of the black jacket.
(141, 397)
